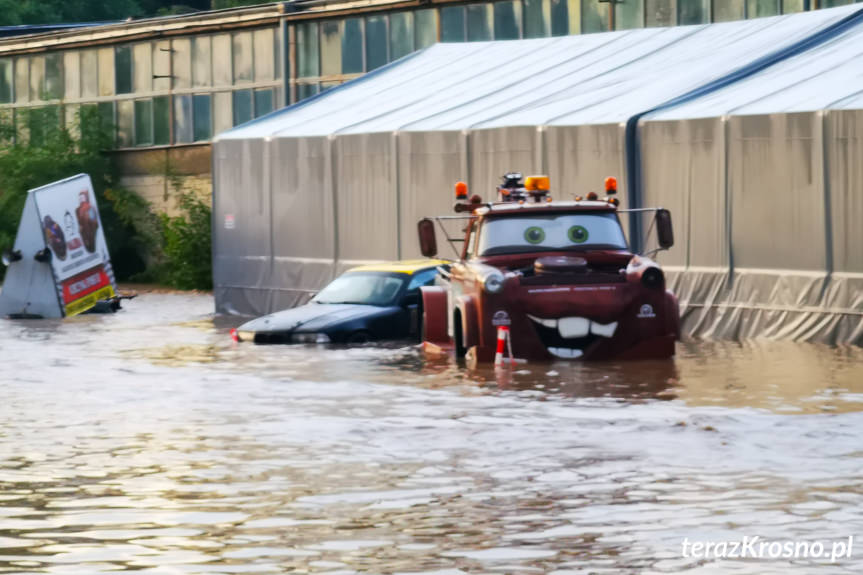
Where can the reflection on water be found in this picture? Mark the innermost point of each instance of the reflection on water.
(148, 441)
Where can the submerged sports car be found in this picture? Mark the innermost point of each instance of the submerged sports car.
(368, 303)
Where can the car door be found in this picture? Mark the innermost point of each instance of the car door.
(411, 297)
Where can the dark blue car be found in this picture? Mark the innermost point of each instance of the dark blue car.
(368, 303)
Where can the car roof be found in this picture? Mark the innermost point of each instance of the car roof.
(408, 267)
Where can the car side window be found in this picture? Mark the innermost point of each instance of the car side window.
(423, 278)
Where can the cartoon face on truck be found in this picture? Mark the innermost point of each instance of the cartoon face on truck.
(559, 275)
(549, 233)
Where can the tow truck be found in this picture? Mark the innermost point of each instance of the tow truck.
(558, 276)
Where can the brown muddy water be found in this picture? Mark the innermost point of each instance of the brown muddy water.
(148, 441)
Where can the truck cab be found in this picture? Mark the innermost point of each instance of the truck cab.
(559, 275)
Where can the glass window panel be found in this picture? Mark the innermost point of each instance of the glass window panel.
(833, 3)
(182, 119)
(479, 22)
(242, 43)
(125, 122)
(507, 20)
(452, 22)
(37, 77)
(162, 120)
(243, 106)
(202, 62)
(352, 46)
(223, 114)
(222, 72)
(401, 34)
(70, 111)
(123, 69)
(304, 91)
(22, 79)
(759, 8)
(537, 16)
(42, 122)
(203, 117)
(629, 14)
(307, 50)
(89, 74)
(728, 10)
(279, 42)
(326, 86)
(263, 102)
(7, 125)
(181, 57)
(106, 115)
(20, 131)
(376, 42)
(265, 51)
(693, 11)
(71, 75)
(790, 6)
(425, 25)
(161, 57)
(142, 67)
(7, 80)
(560, 16)
(54, 76)
(594, 16)
(143, 122)
(106, 71)
(331, 48)
(660, 12)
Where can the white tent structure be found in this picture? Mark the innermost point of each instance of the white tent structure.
(343, 177)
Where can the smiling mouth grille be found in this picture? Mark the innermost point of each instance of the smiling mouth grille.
(570, 337)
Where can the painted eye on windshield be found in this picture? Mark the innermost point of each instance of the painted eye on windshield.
(534, 235)
(577, 234)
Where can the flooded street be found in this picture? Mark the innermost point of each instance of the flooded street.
(148, 441)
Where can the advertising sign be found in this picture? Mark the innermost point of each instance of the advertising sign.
(73, 232)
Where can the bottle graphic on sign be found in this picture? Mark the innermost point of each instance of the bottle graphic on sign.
(88, 221)
(54, 237)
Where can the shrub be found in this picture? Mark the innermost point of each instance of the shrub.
(186, 245)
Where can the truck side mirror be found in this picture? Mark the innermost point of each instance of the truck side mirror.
(664, 231)
(428, 241)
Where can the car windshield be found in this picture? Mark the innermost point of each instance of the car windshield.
(550, 233)
(362, 288)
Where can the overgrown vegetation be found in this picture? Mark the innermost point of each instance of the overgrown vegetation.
(144, 246)
(14, 12)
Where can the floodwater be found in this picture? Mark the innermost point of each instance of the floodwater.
(148, 441)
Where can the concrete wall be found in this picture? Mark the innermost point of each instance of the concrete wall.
(155, 173)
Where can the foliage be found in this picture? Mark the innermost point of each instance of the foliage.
(187, 245)
(14, 12)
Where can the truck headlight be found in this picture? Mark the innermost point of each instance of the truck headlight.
(310, 338)
(493, 282)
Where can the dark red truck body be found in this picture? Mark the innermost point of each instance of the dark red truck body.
(581, 302)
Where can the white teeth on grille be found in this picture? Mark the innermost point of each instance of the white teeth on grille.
(565, 352)
(570, 327)
(604, 330)
(552, 323)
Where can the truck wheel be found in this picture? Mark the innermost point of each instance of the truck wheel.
(458, 336)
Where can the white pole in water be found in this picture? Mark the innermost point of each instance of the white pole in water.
(503, 341)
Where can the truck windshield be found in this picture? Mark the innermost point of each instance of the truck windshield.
(510, 235)
(362, 288)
